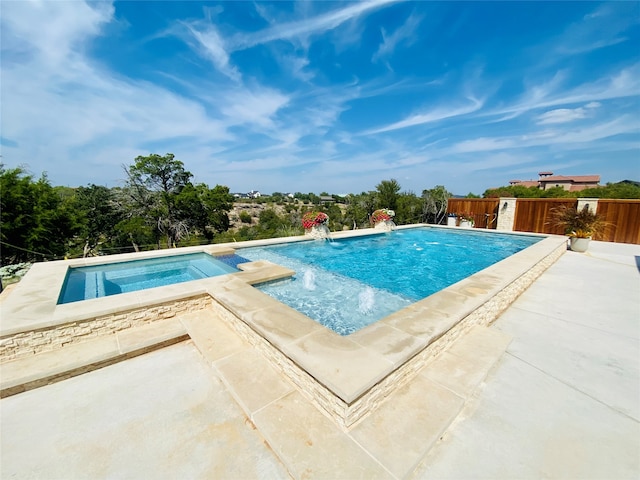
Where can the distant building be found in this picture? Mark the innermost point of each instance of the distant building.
(573, 183)
(251, 194)
(327, 199)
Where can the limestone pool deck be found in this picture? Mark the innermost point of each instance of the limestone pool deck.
(550, 390)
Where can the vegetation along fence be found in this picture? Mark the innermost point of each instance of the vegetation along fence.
(621, 217)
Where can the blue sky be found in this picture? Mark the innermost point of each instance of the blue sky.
(323, 96)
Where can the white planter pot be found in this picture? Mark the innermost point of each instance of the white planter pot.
(466, 224)
(579, 244)
(451, 221)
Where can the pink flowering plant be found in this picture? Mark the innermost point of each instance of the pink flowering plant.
(312, 219)
(382, 214)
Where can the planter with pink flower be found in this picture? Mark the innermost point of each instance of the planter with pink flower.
(315, 224)
(466, 220)
(382, 219)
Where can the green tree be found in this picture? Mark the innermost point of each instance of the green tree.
(435, 204)
(35, 222)
(270, 221)
(408, 209)
(218, 202)
(624, 189)
(516, 191)
(100, 216)
(155, 182)
(388, 193)
(555, 192)
(205, 209)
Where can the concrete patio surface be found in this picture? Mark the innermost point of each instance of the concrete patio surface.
(550, 390)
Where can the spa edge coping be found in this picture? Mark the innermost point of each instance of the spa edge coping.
(33, 303)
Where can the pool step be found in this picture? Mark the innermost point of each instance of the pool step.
(35, 371)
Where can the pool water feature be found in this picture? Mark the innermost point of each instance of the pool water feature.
(347, 284)
(84, 283)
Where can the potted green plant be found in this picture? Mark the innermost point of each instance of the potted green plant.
(580, 225)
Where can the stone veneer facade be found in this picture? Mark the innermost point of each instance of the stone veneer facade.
(506, 214)
(47, 339)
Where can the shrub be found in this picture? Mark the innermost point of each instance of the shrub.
(245, 217)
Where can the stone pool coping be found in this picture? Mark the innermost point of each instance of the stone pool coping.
(347, 377)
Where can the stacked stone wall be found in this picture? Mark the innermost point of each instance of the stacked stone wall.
(47, 339)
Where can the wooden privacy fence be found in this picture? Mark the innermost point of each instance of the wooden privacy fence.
(535, 214)
(483, 210)
(621, 217)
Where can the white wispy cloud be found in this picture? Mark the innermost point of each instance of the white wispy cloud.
(254, 107)
(565, 115)
(430, 116)
(63, 105)
(52, 31)
(619, 84)
(604, 27)
(230, 120)
(212, 46)
(405, 33)
(626, 124)
(301, 29)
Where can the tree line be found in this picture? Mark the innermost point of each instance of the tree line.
(160, 207)
(622, 190)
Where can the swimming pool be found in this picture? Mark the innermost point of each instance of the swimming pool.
(84, 283)
(350, 283)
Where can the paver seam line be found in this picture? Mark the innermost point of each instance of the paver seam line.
(196, 343)
(565, 320)
(573, 387)
(367, 452)
(473, 390)
(466, 411)
(228, 385)
(442, 431)
(280, 398)
(88, 367)
(609, 260)
(333, 423)
(468, 404)
(429, 447)
(472, 394)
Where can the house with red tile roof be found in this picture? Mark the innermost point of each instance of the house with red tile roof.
(571, 183)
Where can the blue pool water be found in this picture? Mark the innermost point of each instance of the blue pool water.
(83, 283)
(350, 283)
